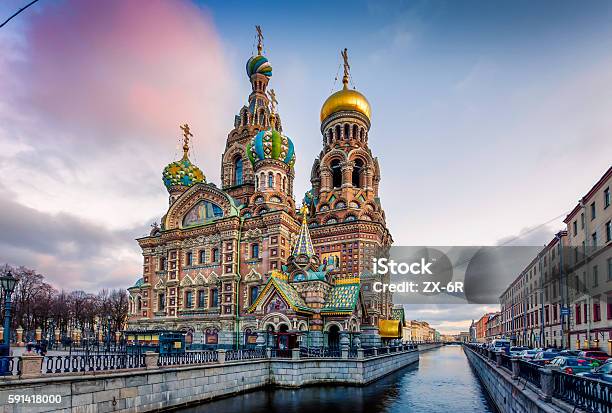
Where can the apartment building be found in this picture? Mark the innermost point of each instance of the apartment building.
(589, 228)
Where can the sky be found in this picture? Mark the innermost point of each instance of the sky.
(489, 119)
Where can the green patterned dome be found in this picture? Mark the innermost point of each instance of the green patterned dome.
(258, 64)
(271, 144)
(182, 173)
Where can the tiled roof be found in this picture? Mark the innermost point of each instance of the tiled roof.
(342, 299)
(398, 314)
(292, 297)
(139, 282)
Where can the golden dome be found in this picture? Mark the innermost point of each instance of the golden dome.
(345, 99)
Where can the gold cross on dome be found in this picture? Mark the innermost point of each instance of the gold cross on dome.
(347, 67)
(304, 210)
(259, 39)
(186, 135)
(273, 101)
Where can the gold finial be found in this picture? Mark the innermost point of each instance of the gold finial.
(259, 39)
(304, 211)
(186, 135)
(347, 67)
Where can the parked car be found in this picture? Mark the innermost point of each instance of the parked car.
(544, 357)
(528, 354)
(603, 373)
(569, 353)
(595, 354)
(572, 365)
(516, 350)
(500, 345)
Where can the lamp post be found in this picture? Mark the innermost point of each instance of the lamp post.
(8, 283)
(108, 332)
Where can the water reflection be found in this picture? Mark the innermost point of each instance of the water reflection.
(441, 382)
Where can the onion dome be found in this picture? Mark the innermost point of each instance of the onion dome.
(183, 173)
(346, 99)
(258, 64)
(271, 144)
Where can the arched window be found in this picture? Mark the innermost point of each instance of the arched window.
(238, 171)
(284, 184)
(336, 174)
(201, 298)
(338, 130)
(189, 259)
(256, 181)
(357, 170)
(355, 132)
(270, 180)
(215, 255)
(202, 256)
(255, 251)
(138, 303)
(162, 263)
(347, 130)
(262, 180)
(161, 302)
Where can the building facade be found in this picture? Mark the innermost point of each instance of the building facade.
(231, 263)
(563, 297)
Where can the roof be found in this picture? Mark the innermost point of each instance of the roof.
(398, 314)
(343, 298)
(291, 297)
(139, 282)
(303, 245)
(589, 195)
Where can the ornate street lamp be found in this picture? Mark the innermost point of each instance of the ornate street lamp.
(8, 283)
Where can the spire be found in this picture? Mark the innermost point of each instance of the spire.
(186, 135)
(347, 68)
(303, 244)
(259, 40)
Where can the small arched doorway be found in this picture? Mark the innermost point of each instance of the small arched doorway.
(333, 337)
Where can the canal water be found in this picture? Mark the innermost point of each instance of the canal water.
(441, 382)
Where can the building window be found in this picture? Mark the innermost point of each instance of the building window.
(189, 259)
(202, 257)
(593, 215)
(270, 180)
(238, 171)
(161, 302)
(608, 231)
(594, 238)
(578, 315)
(595, 276)
(336, 174)
(201, 299)
(188, 299)
(162, 263)
(582, 220)
(596, 311)
(254, 293)
(214, 298)
(255, 251)
(609, 269)
(215, 255)
(357, 170)
(606, 197)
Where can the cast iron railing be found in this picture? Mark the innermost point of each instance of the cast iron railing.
(190, 357)
(587, 394)
(99, 362)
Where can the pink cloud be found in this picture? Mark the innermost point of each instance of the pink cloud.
(121, 65)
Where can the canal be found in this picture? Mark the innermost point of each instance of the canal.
(441, 382)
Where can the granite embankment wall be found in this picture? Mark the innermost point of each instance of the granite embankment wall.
(512, 395)
(143, 390)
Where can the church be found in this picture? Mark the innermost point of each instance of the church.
(239, 264)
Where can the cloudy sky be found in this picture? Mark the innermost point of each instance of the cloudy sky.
(489, 118)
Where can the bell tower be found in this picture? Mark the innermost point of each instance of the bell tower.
(237, 175)
(347, 220)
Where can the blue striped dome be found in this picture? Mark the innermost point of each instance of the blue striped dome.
(258, 64)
